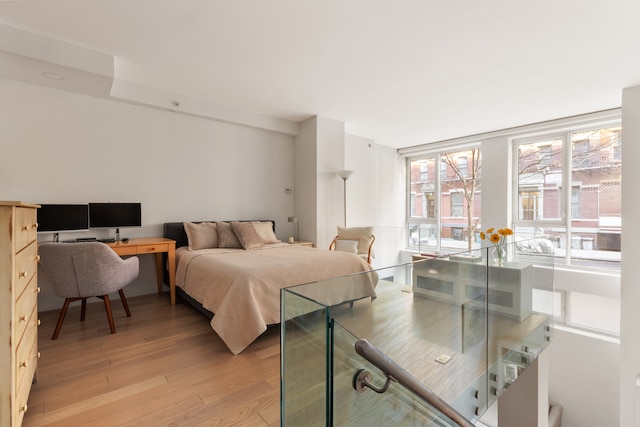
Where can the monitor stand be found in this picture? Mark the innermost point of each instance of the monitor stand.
(56, 237)
(117, 235)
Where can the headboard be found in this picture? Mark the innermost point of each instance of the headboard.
(175, 230)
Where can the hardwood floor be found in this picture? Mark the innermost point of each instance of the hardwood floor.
(164, 366)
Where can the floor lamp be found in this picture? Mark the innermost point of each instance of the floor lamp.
(345, 174)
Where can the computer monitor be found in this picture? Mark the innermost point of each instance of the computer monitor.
(62, 217)
(115, 215)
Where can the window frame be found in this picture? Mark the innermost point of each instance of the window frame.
(566, 187)
(440, 173)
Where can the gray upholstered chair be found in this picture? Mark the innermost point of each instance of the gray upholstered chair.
(83, 270)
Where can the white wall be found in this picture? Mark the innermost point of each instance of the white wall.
(583, 377)
(376, 195)
(630, 291)
(62, 147)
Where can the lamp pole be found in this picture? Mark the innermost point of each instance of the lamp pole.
(345, 174)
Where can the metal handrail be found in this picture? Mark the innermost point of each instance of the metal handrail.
(393, 371)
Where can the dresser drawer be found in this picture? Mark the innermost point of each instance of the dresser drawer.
(151, 249)
(25, 359)
(25, 227)
(26, 266)
(24, 307)
(24, 386)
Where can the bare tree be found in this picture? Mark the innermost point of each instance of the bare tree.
(468, 180)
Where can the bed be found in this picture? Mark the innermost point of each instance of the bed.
(240, 288)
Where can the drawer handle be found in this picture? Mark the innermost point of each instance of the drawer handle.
(23, 408)
(38, 324)
(26, 227)
(24, 364)
(38, 355)
(35, 225)
(37, 258)
(23, 318)
(38, 290)
(22, 274)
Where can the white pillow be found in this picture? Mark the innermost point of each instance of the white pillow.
(347, 246)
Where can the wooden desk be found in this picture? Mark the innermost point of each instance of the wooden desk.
(157, 246)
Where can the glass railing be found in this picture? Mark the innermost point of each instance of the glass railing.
(462, 325)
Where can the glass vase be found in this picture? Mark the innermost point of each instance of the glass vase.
(499, 254)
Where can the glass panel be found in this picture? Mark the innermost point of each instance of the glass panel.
(460, 199)
(422, 188)
(540, 180)
(396, 407)
(425, 236)
(596, 198)
(463, 325)
(304, 343)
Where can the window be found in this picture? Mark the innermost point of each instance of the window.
(456, 204)
(544, 154)
(575, 202)
(568, 192)
(444, 207)
(528, 203)
(462, 165)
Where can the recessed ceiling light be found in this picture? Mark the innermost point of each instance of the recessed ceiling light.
(52, 76)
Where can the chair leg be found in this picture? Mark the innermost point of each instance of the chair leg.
(63, 313)
(124, 302)
(107, 307)
(83, 312)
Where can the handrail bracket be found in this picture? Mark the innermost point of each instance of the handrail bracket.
(362, 381)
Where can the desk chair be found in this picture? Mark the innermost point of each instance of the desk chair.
(83, 270)
(358, 240)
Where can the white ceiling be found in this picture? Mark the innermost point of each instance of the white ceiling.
(403, 72)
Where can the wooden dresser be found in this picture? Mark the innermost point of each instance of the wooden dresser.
(18, 309)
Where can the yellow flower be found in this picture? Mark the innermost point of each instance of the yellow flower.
(497, 237)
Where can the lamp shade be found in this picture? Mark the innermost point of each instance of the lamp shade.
(345, 174)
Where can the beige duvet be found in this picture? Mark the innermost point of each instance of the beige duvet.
(243, 287)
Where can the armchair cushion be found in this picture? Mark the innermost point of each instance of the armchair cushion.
(347, 246)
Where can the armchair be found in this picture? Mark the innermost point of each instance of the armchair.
(358, 240)
(82, 270)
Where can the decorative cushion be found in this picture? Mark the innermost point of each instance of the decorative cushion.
(347, 246)
(247, 235)
(226, 236)
(361, 234)
(265, 231)
(201, 236)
